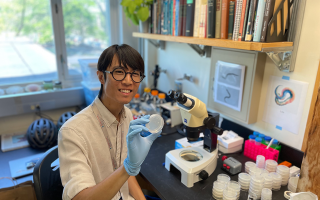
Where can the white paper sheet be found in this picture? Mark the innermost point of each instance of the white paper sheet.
(284, 103)
(228, 84)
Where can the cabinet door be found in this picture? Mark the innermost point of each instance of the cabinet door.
(254, 63)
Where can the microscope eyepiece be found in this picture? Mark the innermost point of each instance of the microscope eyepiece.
(180, 97)
(171, 94)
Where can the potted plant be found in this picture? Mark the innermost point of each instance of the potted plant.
(138, 12)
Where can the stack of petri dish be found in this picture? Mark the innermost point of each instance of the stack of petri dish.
(248, 165)
(264, 171)
(217, 190)
(256, 185)
(235, 186)
(260, 161)
(229, 194)
(244, 180)
(271, 165)
(255, 171)
(284, 171)
(223, 178)
(266, 194)
(268, 181)
(276, 181)
(293, 183)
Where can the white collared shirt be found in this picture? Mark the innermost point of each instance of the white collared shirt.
(83, 150)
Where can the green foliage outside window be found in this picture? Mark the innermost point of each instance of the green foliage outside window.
(136, 10)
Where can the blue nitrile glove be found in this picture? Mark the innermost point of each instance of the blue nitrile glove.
(138, 147)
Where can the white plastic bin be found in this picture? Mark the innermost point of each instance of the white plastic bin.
(90, 91)
(89, 71)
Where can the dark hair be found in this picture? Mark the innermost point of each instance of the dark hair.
(127, 56)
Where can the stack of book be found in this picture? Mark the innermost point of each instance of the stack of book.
(238, 20)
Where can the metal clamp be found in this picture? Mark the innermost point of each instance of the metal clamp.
(204, 51)
(281, 57)
(158, 44)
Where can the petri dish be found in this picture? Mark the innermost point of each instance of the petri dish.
(155, 124)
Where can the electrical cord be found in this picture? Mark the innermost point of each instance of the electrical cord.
(42, 115)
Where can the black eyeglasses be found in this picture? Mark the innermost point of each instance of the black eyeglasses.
(119, 74)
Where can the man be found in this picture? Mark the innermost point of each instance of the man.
(100, 148)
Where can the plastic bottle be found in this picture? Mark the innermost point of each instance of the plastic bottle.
(154, 94)
(275, 144)
(136, 101)
(256, 133)
(267, 140)
(146, 94)
(161, 100)
(252, 138)
(258, 141)
(262, 137)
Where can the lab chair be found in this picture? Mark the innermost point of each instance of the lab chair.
(47, 181)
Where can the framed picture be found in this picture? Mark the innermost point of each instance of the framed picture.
(228, 84)
(13, 141)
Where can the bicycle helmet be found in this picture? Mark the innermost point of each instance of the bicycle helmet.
(63, 118)
(42, 133)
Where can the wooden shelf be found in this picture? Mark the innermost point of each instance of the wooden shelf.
(251, 46)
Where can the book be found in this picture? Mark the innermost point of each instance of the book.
(173, 15)
(181, 4)
(203, 21)
(237, 18)
(177, 25)
(259, 21)
(211, 19)
(13, 141)
(151, 19)
(159, 15)
(169, 19)
(266, 18)
(243, 12)
(184, 17)
(245, 20)
(251, 14)
(218, 19)
(189, 18)
(231, 20)
(196, 18)
(224, 19)
(155, 22)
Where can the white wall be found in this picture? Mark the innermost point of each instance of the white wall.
(180, 58)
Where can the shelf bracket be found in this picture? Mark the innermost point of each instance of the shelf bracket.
(202, 51)
(281, 57)
(158, 44)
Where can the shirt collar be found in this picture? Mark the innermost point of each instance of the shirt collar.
(106, 115)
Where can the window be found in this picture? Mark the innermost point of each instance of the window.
(27, 46)
(39, 42)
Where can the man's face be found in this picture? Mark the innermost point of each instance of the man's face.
(119, 92)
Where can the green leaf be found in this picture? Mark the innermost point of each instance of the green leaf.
(143, 13)
(125, 2)
(134, 19)
(138, 2)
(132, 7)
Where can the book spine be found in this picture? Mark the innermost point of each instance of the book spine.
(169, 17)
(173, 14)
(159, 16)
(203, 19)
(211, 18)
(244, 28)
(181, 17)
(266, 18)
(231, 20)
(164, 17)
(196, 18)
(218, 19)
(184, 16)
(176, 32)
(250, 20)
(237, 20)
(190, 18)
(224, 19)
(155, 10)
(243, 10)
(259, 21)
(151, 19)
